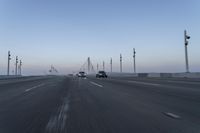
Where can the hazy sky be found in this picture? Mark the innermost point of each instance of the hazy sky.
(65, 32)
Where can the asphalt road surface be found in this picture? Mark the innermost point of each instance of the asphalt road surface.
(54, 104)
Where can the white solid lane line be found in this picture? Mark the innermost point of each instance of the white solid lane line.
(144, 83)
(96, 84)
(34, 87)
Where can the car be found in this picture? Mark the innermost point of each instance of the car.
(81, 74)
(101, 74)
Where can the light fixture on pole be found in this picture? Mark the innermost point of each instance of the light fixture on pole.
(9, 58)
(186, 38)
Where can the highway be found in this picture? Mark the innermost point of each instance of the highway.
(61, 104)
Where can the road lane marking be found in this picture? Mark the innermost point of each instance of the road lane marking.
(34, 87)
(96, 84)
(57, 122)
(144, 83)
(174, 116)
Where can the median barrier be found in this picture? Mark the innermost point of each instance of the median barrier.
(186, 75)
(154, 75)
(143, 75)
(165, 75)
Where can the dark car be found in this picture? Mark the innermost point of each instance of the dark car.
(81, 74)
(101, 74)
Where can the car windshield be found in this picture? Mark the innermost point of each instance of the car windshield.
(81, 72)
(101, 72)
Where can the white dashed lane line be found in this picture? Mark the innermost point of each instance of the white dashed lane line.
(172, 115)
(34, 87)
(96, 84)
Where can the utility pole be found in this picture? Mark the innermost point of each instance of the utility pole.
(103, 66)
(9, 58)
(134, 64)
(186, 38)
(111, 65)
(16, 65)
(121, 63)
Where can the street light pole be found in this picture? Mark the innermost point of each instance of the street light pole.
(111, 65)
(186, 37)
(134, 63)
(16, 65)
(103, 66)
(9, 58)
(18, 70)
(121, 63)
(20, 67)
(88, 65)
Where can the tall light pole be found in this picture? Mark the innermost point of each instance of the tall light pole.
(121, 63)
(88, 65)
(18, 70)
(9, 58)
(103, 66)
(16, 65)
(134, 63)
(111, 65)
(20, 67)
(186, 38)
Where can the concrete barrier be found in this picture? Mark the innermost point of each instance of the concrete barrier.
(186, 75)
(122, 74)
(193, 75)
(9, 77)
(143, 75)
(154, 75)
(157, 75)
(165, 75)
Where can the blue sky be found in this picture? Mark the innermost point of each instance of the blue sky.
(65, 32)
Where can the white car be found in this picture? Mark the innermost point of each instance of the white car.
(81, 74)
